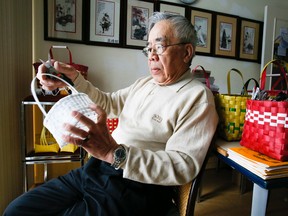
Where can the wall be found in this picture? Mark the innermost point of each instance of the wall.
(15, 76)
(114, 68)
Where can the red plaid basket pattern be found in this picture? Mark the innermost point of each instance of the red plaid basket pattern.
(266, 128)
(269, 118)
(112, 124)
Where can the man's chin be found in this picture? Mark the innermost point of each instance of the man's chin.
(158, 78)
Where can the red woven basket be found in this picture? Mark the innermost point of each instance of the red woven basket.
(112, 124)
(266, 126)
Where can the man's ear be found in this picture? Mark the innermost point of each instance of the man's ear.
(189, 53)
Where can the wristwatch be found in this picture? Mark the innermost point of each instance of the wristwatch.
(119, 156)
(188, 1)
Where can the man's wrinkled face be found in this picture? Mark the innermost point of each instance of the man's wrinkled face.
(168, 66)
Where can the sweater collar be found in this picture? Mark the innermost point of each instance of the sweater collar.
(183, 80)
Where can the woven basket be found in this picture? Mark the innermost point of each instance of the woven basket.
(112, 124)
(231, 109)
(266, 128)
(266, 124)
(69, 148)
(47, 143)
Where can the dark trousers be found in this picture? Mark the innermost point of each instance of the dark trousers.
(96, 189)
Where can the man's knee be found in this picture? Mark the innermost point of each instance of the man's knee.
(13, 209)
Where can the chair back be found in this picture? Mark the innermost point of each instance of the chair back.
(186, 195)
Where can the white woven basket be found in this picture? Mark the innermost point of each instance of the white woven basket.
(60, 113)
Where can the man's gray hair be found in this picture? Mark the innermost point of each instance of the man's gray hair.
(183, 28)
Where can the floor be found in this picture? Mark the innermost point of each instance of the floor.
(221, 196)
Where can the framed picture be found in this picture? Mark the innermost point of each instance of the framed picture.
(202, 22)
(225, 43)
(172, 8)
(138, 13)
(63, 20)
(250, 41)
(104, 22)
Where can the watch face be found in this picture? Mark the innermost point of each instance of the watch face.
(120, 153)
(119, 156)
(188, 1)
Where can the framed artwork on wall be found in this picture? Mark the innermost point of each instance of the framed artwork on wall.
(250, 40)
(202, 22)
(225, 43)
(138, 13)
(104, 22)
(172, 8)
(63, 20)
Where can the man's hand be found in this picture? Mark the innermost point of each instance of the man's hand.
(52, 84)
(97, 140)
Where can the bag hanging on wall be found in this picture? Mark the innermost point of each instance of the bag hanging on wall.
(266, 121)
(231, 109)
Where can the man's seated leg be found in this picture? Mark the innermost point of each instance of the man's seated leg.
(51, 198)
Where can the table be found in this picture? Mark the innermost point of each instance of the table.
(261, 187)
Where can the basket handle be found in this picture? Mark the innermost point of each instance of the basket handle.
(205, 75)
(245, 87)
(229, 80)
(264, 74)
(61, 47)
(33, 86)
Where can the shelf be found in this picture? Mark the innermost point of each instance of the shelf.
(44, 99)
(30, 129)
(49, 157)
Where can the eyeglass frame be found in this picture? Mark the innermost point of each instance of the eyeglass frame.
(147, 50)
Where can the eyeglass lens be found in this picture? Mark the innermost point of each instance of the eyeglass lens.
(158, 50)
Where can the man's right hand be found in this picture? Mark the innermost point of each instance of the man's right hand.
(51, 84)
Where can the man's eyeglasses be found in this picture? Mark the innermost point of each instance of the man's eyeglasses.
(159, 49)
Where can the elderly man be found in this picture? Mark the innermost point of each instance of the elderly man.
(166, 123)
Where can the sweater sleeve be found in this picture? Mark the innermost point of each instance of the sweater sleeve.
(112, 103)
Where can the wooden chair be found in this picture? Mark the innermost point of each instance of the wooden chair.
(186, 195)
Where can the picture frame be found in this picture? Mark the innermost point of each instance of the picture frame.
(63, 21)
(202, 22)
(225, 40)
(105, 18)
(250, 40)
(137, 15)
(171, 8)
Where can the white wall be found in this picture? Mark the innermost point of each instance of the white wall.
(114, 68)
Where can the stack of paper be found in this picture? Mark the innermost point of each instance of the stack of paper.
(257, 163)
